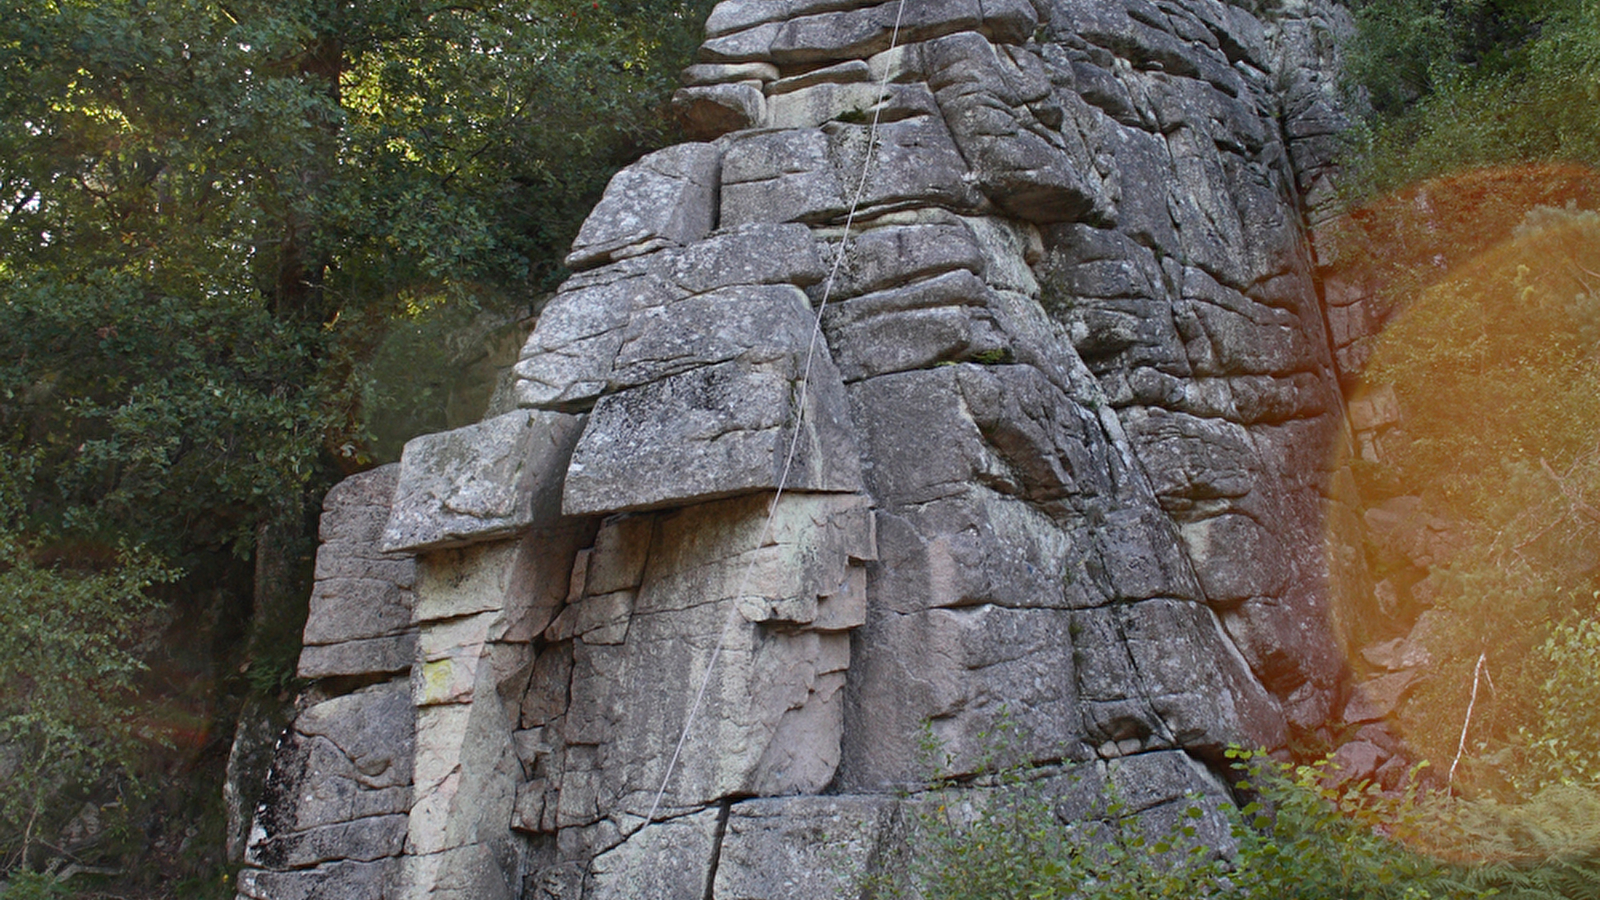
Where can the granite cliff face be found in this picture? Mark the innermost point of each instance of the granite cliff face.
(1057, 457)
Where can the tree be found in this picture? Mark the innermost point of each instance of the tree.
(66, 726)
(211, 213)
(1461, 83)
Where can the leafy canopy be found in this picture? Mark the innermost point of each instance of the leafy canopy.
(213, 215)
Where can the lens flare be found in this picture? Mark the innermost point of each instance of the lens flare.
(1466, 311)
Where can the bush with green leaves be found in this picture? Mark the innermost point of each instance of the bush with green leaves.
(33, 886)
(1300, 834)
(215, 219)
(1305, 836)
(1007, 842)
(1493, 365)
(1462, 83)
(1564, 746)
(70, 734)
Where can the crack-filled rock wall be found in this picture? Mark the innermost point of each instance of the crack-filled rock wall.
(1054, 461)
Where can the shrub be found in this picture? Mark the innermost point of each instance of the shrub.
(68, 730)
(1564, 747)
(1299, 837)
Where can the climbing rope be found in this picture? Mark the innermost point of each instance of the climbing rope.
(794, 440)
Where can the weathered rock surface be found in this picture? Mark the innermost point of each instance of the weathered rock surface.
(359, 620)
(666, 199)
(332, 821)
(484, 481)
(1052, 426)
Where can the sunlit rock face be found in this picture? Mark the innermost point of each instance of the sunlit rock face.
(1051, 435)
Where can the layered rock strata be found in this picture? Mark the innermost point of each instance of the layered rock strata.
(332, 819)
(1053, 460)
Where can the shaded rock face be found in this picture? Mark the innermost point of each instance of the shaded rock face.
(1052, 458)
(333, 816)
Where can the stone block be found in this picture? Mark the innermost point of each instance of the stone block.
(1192, 460)
(518, 585)
(360, 840)
(338, 790)
(979, 548)
(853, 71)
(944, 319)
(1026, 167)
(567, 358)
(354, 609)
(773, 707)
(481, 871)
(340, 880)
(1140, 553)
(1235, 558)
(355, 509)
(666, 859)
(755, 323)
(820, 103)
(753, 254)
(369, 656)
(466, 778)
(961, 673)
(715, 73)
(1377, 698)
(1197, 682)
(667, 198)
(774, 704)
(780, 176)
(481, 482)
(737, 15)
(599, 619)
(1287, 641)
(1354, 762)
(893, 255)
(916, 163)
(710, 111)
(1375, 409)
(788, 847)
(859, 33)
(372, 727)
(782, 568)
(714, 432)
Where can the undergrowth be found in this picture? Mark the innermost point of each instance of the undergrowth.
(1297, 836)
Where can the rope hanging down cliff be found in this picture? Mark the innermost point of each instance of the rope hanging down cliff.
(794, 440)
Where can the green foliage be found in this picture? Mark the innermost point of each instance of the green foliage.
(33, 886)
(1299, 839)
(124, 394)
(211, 217)
(68, 729)
(1306, 838)
(1477, 231)
(215, 219)
(1300, 836)
(1011, 845)
(1006, 842)
(1562, 749)
(1463, 83)
(1407, 49)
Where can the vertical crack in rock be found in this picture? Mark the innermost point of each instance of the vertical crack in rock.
(716, 849)
(1062, 464)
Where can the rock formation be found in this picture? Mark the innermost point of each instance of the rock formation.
(1054, 459)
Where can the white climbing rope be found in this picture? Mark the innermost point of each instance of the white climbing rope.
(794, 440)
